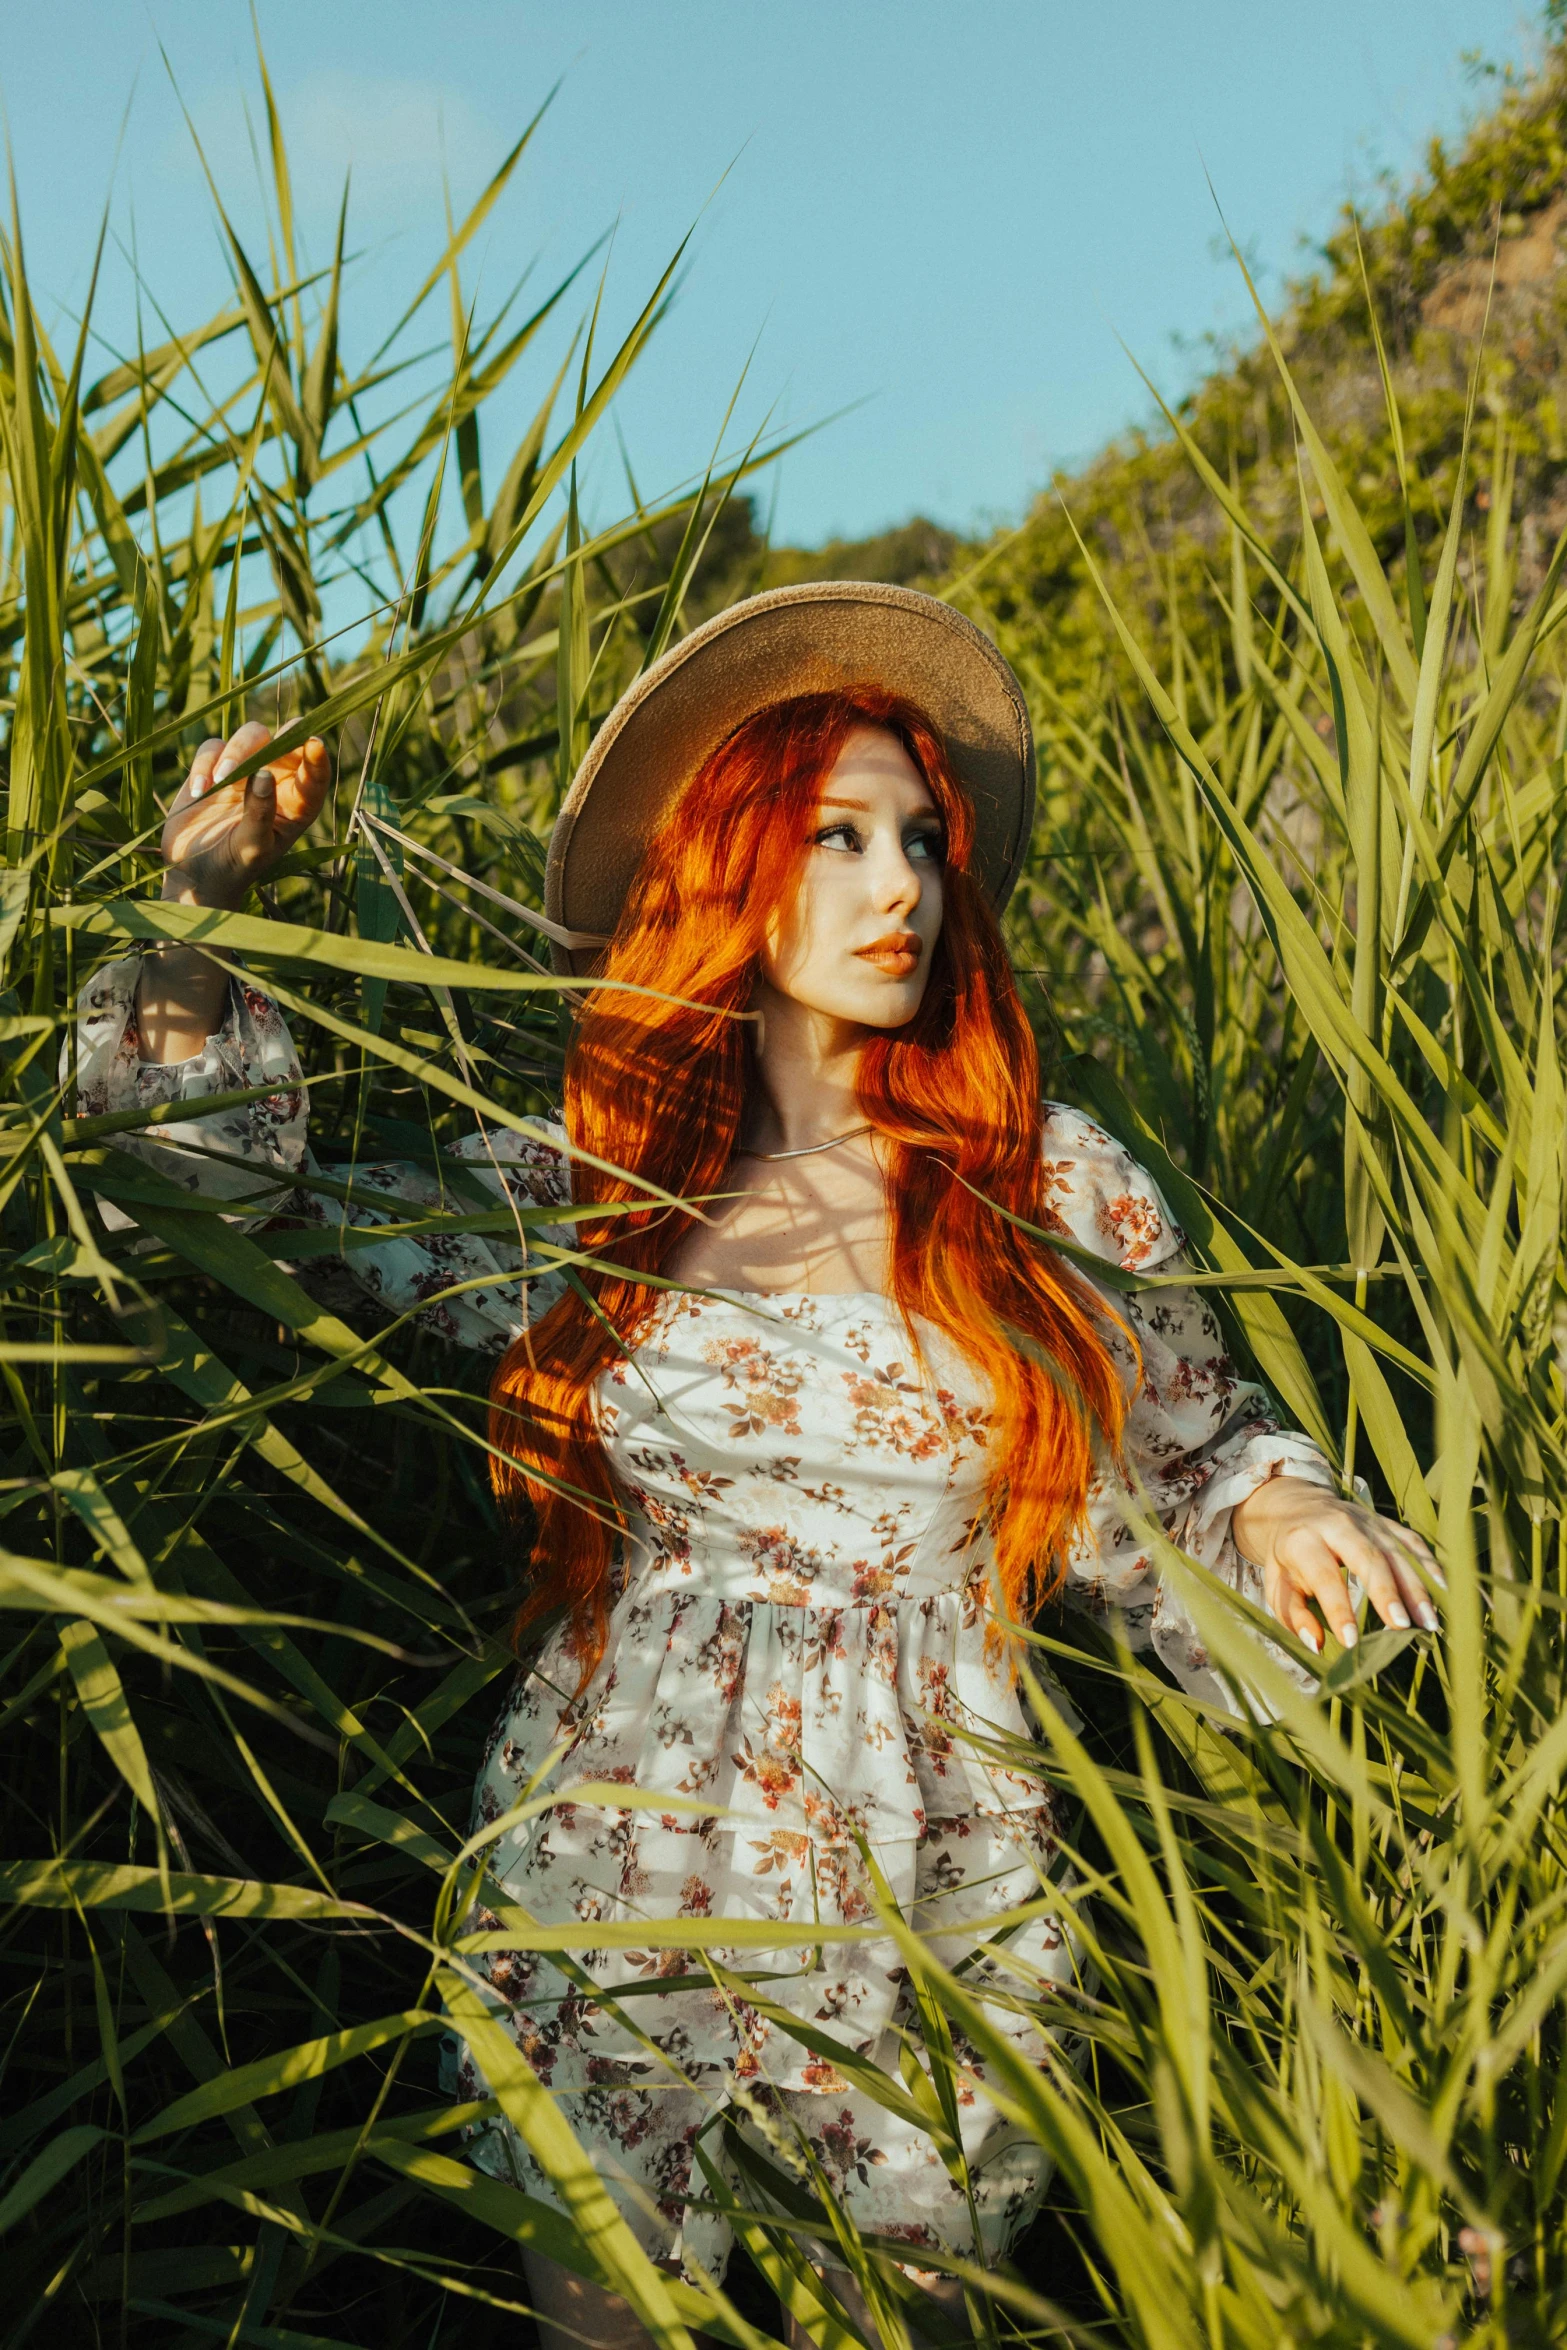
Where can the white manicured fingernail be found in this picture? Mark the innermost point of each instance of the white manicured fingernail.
(1313, 1639)
(1428, 1615)
(224, 769)
(1399, 1615)
(1348, 1637)
(264, 781)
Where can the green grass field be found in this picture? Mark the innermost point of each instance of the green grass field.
(1295, 891)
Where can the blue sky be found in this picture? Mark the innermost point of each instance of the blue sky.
(946, 211)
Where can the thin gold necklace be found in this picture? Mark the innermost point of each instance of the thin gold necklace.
(810, 1147)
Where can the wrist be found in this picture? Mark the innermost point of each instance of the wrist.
(1268, 1511)
(1252, 1525)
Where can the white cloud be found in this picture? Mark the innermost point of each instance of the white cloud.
(395, 133)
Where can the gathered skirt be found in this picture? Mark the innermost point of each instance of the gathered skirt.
(646, 2074)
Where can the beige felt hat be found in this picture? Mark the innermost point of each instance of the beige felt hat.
(796, 640)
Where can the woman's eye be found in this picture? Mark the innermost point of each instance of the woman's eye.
(928, 847)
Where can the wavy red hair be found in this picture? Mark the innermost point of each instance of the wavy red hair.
(658, 1088)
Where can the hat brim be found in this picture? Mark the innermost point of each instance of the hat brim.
(818, 638)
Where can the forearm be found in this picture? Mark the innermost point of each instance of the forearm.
(181, 994)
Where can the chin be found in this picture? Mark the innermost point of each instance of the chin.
(892, 1007)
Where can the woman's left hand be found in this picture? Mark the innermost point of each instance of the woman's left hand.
(1308, 1542)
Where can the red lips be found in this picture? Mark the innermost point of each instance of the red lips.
(897, 954)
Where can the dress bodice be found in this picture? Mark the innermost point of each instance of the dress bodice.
(792, 1448)
(801, 1632)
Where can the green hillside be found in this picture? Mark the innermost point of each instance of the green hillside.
(1467, 271)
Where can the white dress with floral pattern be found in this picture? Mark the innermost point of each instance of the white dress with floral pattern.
(797, 1662)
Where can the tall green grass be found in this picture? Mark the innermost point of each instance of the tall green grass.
(1298, 898)
(1302, 895)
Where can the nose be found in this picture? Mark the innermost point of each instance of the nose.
(897, 882)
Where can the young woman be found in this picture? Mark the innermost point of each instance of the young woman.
(794, 1463)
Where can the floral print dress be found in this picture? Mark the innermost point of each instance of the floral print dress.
(797, 1686)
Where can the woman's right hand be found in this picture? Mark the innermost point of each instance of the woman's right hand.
(221, 838)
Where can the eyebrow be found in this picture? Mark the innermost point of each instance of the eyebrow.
(830, 800)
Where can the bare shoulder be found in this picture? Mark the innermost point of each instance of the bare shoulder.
(1097, 1194)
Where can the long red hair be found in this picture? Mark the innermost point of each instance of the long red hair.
(658, 1088)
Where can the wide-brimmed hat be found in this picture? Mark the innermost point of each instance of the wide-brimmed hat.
(819, 638)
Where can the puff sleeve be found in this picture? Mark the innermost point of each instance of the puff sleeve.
(1199, 1438)
(253, 1047)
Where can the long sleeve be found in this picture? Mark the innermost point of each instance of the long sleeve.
(405, 1274)
(253, 1047)
(1199, 1439)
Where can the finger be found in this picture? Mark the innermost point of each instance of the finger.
(1314, 1568)
(318, 764)
(253, 830)
(1405, 1538)
(1293, 1610)
(1411, 1589)
(1371, 1564)
(309, 757)
(1414, 1563)
(240, 746)
(1409, 1563)
(303, 777)
(200, 773)
(1288, 1602)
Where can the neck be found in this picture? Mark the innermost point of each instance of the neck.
(809, 1066)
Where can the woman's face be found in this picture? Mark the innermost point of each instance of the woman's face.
(855, 943)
